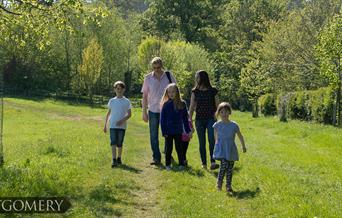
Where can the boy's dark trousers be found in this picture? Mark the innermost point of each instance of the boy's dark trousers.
(169, 146)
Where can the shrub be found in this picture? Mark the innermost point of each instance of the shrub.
(267, 104)
(307, 105)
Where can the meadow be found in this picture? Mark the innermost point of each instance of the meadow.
(56, 148)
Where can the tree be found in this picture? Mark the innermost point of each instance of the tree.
(90, 69)
(329, 53)
(22, 20)
(191, 20)
(148, 48)
(254, 82)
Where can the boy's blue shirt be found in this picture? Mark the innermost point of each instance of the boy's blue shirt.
(172, 120)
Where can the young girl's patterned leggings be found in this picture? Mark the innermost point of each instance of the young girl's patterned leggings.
(225, 167)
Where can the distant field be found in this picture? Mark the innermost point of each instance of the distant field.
(53, 148)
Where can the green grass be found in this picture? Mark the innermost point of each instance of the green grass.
(53, 148)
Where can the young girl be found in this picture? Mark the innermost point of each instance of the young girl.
(173, 117)
(225, 148)
(204, 100)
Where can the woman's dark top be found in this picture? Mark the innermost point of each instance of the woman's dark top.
(205, 100)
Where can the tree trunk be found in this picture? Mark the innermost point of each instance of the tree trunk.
(255, 112)
(335, 110)
(338, 100)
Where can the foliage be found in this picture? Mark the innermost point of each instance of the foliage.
(267, 104)
(307, 105)
(90, 69)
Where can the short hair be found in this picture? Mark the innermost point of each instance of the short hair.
(119, 83)
(224, 105)
(157, 60)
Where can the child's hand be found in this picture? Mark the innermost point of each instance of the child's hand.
(244, 149)
(120, 122)
(105, 129)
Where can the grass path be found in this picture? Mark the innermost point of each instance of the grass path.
(56, 149)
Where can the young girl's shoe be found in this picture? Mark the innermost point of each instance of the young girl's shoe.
(219, 186)
(230, 191)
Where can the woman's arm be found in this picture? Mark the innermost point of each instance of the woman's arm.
(192, 105)
(185, 119)
(217, 100)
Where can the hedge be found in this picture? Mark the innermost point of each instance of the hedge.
(267, 104)
(314, 105)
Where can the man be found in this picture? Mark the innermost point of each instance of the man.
(153, 90)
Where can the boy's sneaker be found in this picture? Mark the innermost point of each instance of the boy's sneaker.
(168, 168)
(114, 163)
(214, 166)
(154, 162)
(119, 161)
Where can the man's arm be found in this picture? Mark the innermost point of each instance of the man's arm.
(144, 107)
(144, 102)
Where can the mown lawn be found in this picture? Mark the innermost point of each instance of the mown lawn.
(54, 148)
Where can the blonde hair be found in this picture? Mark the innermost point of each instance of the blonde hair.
(223, 105)
(178, 101)
(157, 60)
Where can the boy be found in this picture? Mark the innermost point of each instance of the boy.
(119, 111)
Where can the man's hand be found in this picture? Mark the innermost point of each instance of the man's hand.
(244, 149)
(105, 129)
(145, 116)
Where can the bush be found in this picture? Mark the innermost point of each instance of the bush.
(307, 105)
(267, 104)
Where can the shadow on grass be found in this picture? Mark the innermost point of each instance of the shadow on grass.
(245, 194)
(102, 198)
(130, 168)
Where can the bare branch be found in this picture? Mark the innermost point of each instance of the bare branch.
(8, 11)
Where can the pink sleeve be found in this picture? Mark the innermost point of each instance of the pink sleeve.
(144, 88)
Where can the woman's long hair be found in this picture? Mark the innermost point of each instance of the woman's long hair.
(203, 80)
(178, 101)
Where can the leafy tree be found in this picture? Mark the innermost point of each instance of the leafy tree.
(148, 48)
(192, 20)
(91, 66)
(329, 52)
(254, 82)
